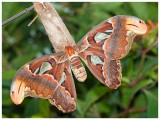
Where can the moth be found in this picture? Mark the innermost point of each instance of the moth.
(50, 77)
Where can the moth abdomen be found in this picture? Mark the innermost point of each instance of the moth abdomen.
(78, 69)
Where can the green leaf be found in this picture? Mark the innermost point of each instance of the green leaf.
(129, 92)
(140, 8)
(102, 107)
(93, 112)
(91, 97)
(126, 91)
(8, 74)
(32, 107)
(22, 59)
(152, 99)
(6, 100)
(140, 102)
(140, 85)
(153, 9)
(109, 6)
(44, 107)
(147, 68)
(6, 83)
(94, 94)
(125, 80)
(38, 115)
(80, 104)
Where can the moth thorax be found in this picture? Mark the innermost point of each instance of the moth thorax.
(69, 50)
(78, 69)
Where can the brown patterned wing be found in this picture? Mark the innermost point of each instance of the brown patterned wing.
(108, 42)
(92, 50)
(48, 77)
(116, 34)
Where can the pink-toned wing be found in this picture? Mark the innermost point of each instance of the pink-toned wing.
(48, 77)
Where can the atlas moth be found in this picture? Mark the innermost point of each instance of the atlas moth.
(50, 77)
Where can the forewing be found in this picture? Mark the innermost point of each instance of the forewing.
(117, 40)
(92, 49)
(121, 40)
(47, 77)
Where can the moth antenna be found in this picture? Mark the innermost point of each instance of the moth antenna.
(33, 20)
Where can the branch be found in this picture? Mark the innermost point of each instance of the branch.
(151, 46)
(55, 28)
(127, 111)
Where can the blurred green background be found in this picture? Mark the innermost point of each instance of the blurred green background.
(137, 97)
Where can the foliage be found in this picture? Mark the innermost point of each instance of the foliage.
(136, 97)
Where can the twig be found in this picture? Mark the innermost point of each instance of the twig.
(127, 111)
(151, 46)
(33, 20)
(17, 15)
(143, 59)
(141, 64)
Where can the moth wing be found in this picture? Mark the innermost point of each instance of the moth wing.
(47, 77)
(66, 100)
(92, 49)
(117, 40)
(106, 71)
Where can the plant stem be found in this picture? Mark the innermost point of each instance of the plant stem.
(151, 46)
(127, 111)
